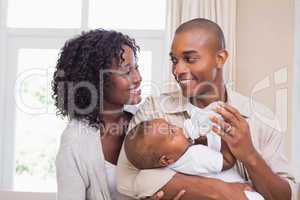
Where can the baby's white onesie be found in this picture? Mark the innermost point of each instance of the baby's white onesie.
(207, 160)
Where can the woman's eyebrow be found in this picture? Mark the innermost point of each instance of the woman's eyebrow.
(126, 65)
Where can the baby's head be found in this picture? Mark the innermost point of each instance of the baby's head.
(155, 144)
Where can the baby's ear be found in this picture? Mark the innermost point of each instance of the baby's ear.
(164, 161)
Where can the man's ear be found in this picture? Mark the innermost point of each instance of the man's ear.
(165, 161)
(222, 56)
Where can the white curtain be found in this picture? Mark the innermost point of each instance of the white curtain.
(223, 12)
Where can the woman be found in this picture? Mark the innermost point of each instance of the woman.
(96, 75)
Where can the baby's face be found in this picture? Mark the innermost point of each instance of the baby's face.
(167, 138)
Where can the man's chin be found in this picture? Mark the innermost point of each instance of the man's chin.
(197, 95)
(187, 94)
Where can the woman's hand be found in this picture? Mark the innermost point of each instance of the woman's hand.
(235, 131)
(159, 196)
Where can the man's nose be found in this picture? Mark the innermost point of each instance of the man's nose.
(180, 68)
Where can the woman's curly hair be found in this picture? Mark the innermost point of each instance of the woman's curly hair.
(80, 61)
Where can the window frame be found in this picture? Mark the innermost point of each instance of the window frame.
(296, 94)
(152, 40)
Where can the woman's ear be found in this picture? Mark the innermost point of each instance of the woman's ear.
(165, 161)
(222, 56)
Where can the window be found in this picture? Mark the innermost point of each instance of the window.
(37, 127)
(32, 32)
(118, 14)
(44, 14)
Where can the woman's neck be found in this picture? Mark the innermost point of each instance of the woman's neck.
(112, 112)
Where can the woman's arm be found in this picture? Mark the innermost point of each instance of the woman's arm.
(70, 184)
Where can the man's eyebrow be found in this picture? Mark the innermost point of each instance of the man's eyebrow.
(190, 52)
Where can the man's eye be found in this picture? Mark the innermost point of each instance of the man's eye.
(190, 60)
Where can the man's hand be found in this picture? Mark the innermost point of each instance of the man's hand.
(228, 158)
(159, 196)
(235, 131)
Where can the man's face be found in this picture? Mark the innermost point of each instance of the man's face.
(194, 62)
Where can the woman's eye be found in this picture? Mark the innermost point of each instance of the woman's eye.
(173, 131)
(124, 73)
(173, 60)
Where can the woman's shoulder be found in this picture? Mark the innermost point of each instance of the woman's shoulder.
(78, 132)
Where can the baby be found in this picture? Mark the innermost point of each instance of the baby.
(157, 143)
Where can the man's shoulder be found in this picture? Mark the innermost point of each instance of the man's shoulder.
(255, 111)
(248, 105)
(165, 102)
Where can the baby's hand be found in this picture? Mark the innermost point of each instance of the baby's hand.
(228, 158)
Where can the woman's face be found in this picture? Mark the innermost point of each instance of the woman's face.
(124, 82)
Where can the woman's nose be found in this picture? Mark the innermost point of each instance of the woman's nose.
(136, 76)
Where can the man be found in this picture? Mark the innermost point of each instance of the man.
(198, 55)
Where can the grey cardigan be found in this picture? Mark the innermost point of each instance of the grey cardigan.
(80, 164)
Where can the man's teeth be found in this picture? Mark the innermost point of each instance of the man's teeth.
(185, 81)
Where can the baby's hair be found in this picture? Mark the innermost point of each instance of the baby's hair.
(140, 153)
(208, 25)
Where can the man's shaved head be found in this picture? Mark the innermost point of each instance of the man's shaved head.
(209, 26)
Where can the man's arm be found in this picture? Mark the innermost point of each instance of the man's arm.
(145, 183)
(265, 181)
(204, 188)
(142, 183)
(265, 177)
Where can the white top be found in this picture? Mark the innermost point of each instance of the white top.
(80, 166)
(199, 160)
(111, 176)
(199, 124)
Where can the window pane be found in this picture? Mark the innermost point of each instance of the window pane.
(145, 63)
(44, 13)
(130, 14)
(37, 127)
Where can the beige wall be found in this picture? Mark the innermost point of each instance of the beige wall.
(265, 37)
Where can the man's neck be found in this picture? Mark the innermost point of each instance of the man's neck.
(217, 94)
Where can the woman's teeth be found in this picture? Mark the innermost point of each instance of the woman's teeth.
(135, 91)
